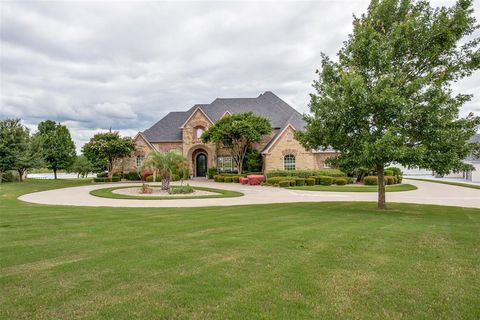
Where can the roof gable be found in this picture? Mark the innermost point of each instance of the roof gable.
(266, 104)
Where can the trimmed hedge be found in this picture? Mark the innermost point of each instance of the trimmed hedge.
(310, 181)
(228, 179)
(299, 182)
(340, 181)
(325, 181)
(236, 179)
(113, 179)
(390, 180)
(284, 184)
(370, 180)
(275, 180)
(306, 173)
(132, 176)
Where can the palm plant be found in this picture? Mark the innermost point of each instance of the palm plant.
(166, 164)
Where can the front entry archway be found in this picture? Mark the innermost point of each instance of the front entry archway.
(201, 164)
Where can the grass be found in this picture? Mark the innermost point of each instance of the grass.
(220, 193)
(356, 188)
(458, 184)
(285, 261)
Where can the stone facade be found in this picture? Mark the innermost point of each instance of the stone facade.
(286, 144)
(191, 147)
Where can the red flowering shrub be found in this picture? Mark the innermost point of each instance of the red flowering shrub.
(254, 180)
(243, 180)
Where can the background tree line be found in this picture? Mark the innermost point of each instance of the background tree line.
(52, 147)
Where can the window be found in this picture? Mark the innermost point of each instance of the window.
(225, 164)
(289, 162)
(289, 136)
(139, 160)
(198, 132)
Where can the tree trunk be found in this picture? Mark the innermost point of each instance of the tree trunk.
(165, 183)
(381, 187)
(55, 173)
(20, 175)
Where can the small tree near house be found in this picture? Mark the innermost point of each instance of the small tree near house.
(237, 133)
(104, 149)
(389, 98)
(165, 165)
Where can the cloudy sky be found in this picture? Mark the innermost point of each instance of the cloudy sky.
(94, 65)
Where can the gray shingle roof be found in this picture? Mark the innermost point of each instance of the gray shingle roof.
(267, 104)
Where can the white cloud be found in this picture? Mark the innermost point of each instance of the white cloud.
(124, 65)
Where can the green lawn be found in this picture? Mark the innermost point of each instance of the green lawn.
(356, 188)
(458, 184)
(285, 261)
(220, 193)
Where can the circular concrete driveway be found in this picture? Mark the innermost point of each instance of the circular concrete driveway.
(427, 193)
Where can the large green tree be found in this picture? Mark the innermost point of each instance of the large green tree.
(104, 149)
(57, 146)
(18, 150)
(237, 133)
(388, 98)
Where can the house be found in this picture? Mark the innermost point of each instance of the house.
(181, 131)
(473, 176)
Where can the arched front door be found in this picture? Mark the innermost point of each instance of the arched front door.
(201, 165)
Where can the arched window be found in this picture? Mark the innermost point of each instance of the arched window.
(139, 161)
(198, 132)
(289, 162)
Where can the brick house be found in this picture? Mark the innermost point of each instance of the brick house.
(181, 131)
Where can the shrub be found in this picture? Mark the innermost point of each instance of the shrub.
(389, 180)
(254, 180)
(113, 179)
(370, 180)
(175, 177)
(349, 180)
(228, 179)
(243, 180)
(306, 173)
(236, 179)
(388, 172)
(299, 182)
(219, 178)
(211, 172)
(310, 181)
(118, 174)
(325, 181)
(284, 184)
(132, 176)
(340, 181)
(10, 176)
(275, 180)
(102, 175)
(180, 189)
(149, 178)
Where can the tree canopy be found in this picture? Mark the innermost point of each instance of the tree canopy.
(237, 133)
(166, 164)
(56, 144)
(18, 149)
(82, 166)
(104, 149)
(388, 98)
